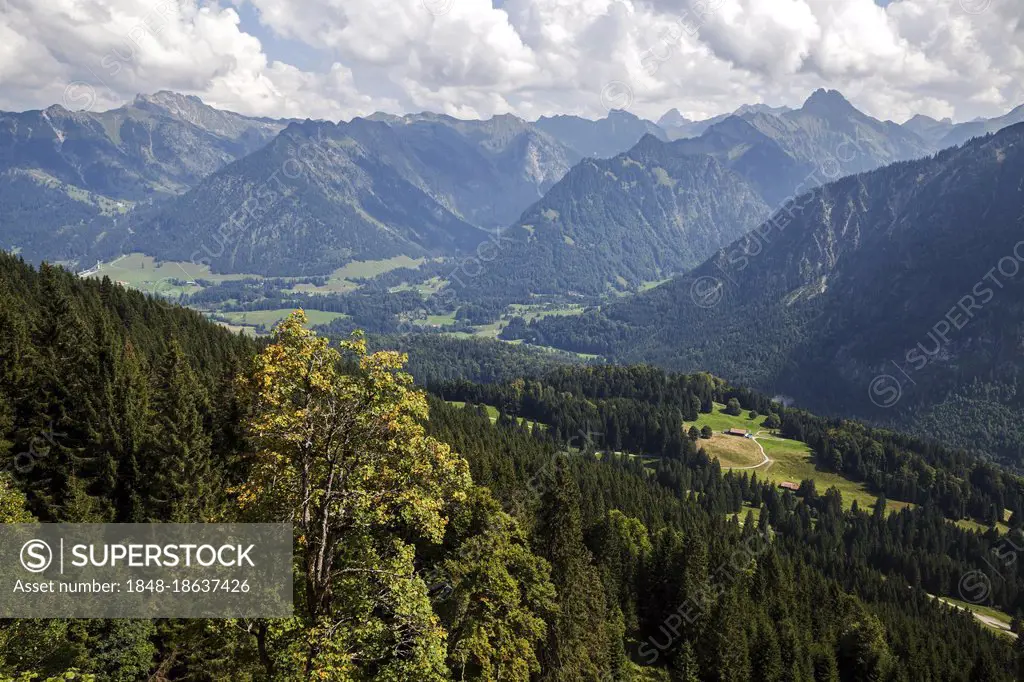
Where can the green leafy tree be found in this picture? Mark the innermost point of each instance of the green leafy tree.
(497, 600)
(732, 407)
(863, 650)
(344, 456)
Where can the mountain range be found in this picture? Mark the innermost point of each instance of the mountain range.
(66, 176)
(677, 126)
(664, 207)
(603, 138)
(944, 133)
(612, 224)
(318, 196)
(892, 294)
(173, 177)
(157, 145)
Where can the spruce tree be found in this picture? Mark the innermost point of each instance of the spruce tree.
(684, 665)
(577, 644)
(185, 484)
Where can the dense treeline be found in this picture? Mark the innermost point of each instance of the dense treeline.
(94, 379)
(642, 410)
(658, 539)
(461, 549)
(436, 359)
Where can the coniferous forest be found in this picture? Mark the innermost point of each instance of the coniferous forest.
(579, 534)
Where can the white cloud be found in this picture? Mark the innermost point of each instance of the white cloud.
(529, 57)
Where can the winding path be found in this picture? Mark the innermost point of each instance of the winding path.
(767, 460)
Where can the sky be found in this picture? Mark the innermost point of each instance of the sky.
(336, 59)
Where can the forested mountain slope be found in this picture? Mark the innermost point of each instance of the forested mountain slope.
(827, 130)
(117, 407)
(487, 172)
(612, 224)
(653, 211)
(160, 144)
(908, 273)
(323, 194)
(67, 177)
(317, 197)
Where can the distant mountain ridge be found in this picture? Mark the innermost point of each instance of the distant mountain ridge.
(88, 185)
(965, 131)
(486, 171)
(66, 176)
(612, 224)
(159, 144)
(603, 138)
(663, 206)
(318, 196)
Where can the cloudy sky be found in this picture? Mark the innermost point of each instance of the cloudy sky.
(336, 59)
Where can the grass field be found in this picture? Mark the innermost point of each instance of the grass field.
(971, 524)
(733, 451)
(436, 320)
(791, 460)
(269, 318)
(536, 312)
(428, 287)
(146, 274)
(527, 312)
(983, 610)
(342, 280)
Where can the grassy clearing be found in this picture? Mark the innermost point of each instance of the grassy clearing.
(647, 286)
(793, 461)
(163, 278)
(426, 288)
(236, 328)
(536, 312)
(756, 511)
(991, 618)
(492, 413)
(489, 331)
(719, 421)
(436, 320)
(341, 280)
(733, 451)
(269, 318)
(367, 269)
(972, 525)
(995, 614)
